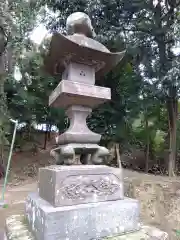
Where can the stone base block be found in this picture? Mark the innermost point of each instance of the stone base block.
(18, 222)
(64, 185)
(82, 222)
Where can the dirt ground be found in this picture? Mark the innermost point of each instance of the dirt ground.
(15, 198)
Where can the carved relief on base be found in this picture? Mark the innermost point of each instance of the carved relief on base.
(83, 187)
(70, 185)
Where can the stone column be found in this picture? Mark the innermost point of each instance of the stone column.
(78, 95)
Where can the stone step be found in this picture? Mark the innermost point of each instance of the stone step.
(18, 222)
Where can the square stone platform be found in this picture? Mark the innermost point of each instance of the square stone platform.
(82, 222)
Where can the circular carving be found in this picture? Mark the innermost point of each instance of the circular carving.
(82, 73)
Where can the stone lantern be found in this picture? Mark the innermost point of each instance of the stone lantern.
(79, 61)
(79, 202)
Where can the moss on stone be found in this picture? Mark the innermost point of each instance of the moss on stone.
(17, 228)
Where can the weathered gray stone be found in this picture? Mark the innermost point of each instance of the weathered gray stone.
(78, 131)
(79, 73)
(18, 222)
(69, 93)
(83, 222)
(64, 185)
(89, 154)
(80, 22)
(146, 233)
(80, 49)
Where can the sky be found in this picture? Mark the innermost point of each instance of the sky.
(38, 34)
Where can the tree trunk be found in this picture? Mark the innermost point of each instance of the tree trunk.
(3, 109)
(2, 154)
(172, 145)
(147, 145)
(118, 155)
(29, 131)
(172, 107)
(49, 132)
(172, 152)
(45, 138)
